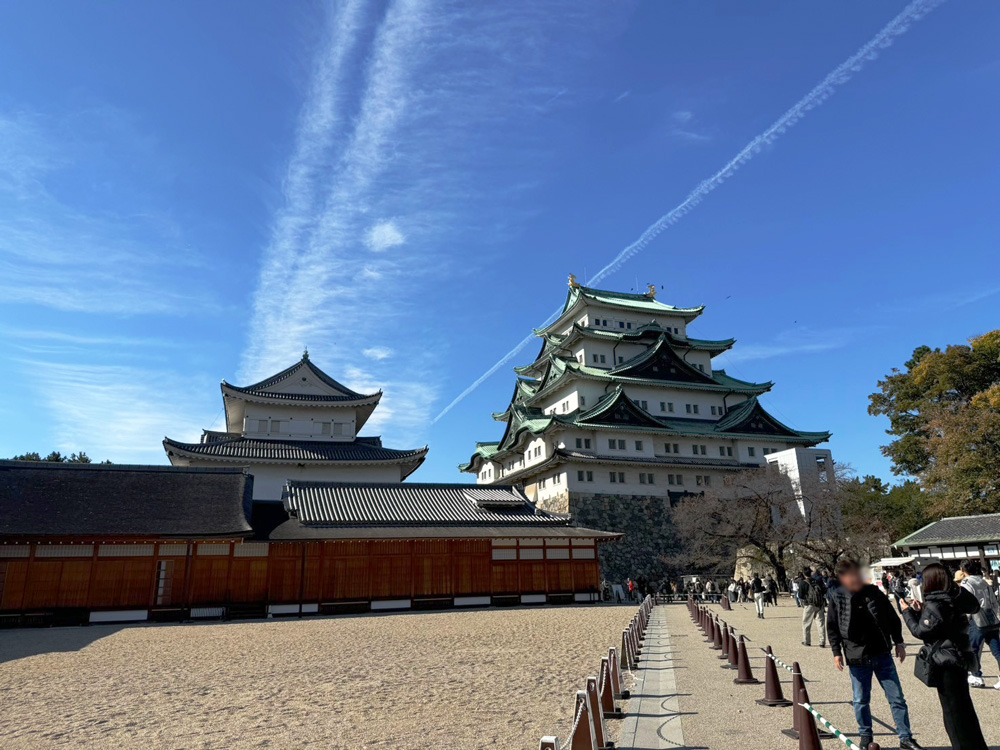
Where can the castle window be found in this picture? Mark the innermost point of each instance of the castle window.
(751, 452)
(324, 428)
(613, 477)
(649, 479)
(642, 478)
(621, 445)
(621, 477)
(620, 359)
(612, 443)
(583, 400)
(638, 445)
(687, 408)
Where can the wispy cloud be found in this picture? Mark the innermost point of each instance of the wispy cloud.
(120, 412)
(435, 87)
(378, 353)
(106, 249)
(684, 127)
(797, 341)
(621, 96)
(819, 94)
(383, 236)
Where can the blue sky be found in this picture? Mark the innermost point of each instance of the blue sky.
(196, 191)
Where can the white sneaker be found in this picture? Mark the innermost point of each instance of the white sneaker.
(976, 681)
(997, 686)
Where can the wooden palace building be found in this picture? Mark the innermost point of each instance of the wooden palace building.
(112, 543)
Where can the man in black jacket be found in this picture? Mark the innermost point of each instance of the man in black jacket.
(863, 630)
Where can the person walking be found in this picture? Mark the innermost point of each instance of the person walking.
(813, 595)
(757, 588)
(863, 629)
(941, 623)
(772, 591)
(796, 583)
(984, 625)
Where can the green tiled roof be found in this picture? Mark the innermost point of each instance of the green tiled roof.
(746, 421)
(558, 369)
(626, 301)
(552, 343)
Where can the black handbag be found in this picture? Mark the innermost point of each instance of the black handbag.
(931, 660)
(924, 668)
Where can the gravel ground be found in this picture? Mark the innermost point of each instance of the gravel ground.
(719, 714)
(499, 678)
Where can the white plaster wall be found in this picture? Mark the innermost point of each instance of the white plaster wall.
(269, 479)
(302, 421)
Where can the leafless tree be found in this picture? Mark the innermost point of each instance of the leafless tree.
(758, 515)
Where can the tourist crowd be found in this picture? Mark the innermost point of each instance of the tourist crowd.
(953, 616)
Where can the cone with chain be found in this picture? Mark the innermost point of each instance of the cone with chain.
(772, 686)
(745, 674)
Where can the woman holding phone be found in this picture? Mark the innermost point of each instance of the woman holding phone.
(942, 624)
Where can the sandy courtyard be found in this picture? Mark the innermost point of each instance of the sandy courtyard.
(498, 678)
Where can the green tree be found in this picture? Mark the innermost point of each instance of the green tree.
(877, 514)
(965, 443)
(57, 457)
(944, 412)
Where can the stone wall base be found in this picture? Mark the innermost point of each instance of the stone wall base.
(650, 539)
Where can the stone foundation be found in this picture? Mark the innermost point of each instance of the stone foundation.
(650, 535)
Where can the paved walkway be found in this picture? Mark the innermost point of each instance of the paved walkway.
(653, 720)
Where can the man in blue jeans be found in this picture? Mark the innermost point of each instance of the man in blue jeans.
(864, 630)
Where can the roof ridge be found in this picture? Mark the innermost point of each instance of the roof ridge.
(66, 465)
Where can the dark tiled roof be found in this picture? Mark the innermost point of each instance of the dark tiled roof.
(263, 388)
(238, 448)
(340, 504)
(956, 530)
(49, 499)
(293, 529)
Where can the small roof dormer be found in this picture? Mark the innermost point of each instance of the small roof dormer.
(302, 384)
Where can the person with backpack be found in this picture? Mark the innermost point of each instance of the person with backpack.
(812, 591)
(984, 626)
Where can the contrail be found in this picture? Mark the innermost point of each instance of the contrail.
(819, 94)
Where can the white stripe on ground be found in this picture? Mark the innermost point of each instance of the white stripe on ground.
(653, 720)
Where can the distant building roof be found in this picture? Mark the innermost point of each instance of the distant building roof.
(956, 530)
(51, 499)
(303, 368)
(341, 510)
(236, 448)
